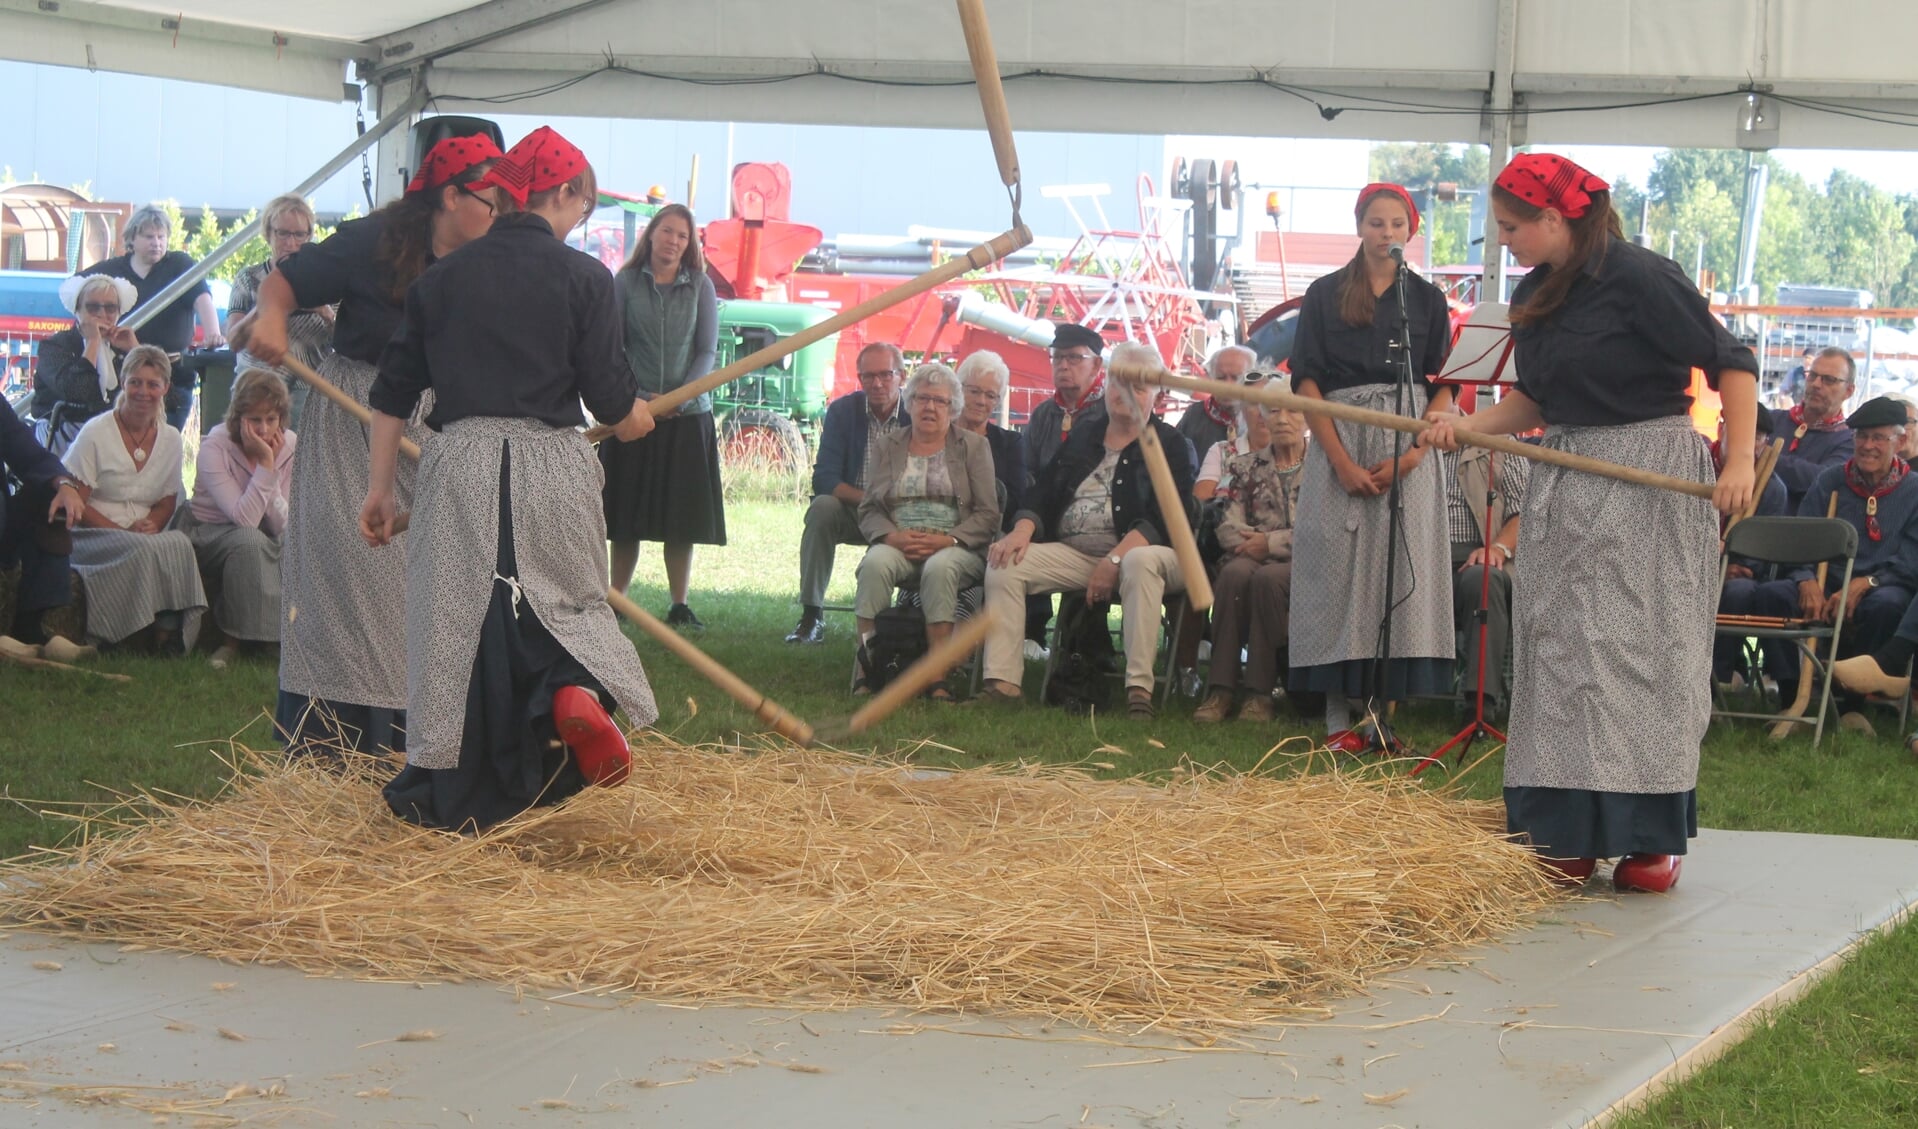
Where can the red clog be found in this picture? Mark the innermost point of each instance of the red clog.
(599, 748)
(1653, 874)
(1348, 741)
(1570, 873)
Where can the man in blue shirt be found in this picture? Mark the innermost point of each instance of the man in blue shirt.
(839, 478)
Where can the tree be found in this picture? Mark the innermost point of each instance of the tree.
(1863, 231)
(1421, 167)
(207, 235)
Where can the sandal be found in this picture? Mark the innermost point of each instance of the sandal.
(1138, 704)
(939, 692)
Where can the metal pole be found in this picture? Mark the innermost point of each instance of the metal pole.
(1498, 129)
(151, 308)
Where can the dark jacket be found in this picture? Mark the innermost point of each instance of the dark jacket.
(22, 457)
(63, 375)
(842, 442)
(1816, 451)
(1135, 505)
(1009, 467)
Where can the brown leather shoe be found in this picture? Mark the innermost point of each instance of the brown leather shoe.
(1138, 703)
(1216, 707)
(1257, 707)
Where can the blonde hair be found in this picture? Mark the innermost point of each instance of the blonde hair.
(288, 204)
(139, 357)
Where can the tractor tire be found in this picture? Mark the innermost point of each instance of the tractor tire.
(761, 440)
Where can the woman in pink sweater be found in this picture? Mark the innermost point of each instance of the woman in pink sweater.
(239, 511)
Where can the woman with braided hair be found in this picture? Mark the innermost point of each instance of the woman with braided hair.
(1613, 625)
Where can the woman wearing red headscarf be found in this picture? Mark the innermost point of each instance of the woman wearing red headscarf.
(1347, 352)
(342, 650)
(1613, 625)
(510, 643)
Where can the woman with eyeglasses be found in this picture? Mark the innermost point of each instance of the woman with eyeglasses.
(342, 602)
(931, 507)
(78, 372)
(984, 376)
(666, 486)
(287, 223)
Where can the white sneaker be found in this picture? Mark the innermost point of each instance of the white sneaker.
(1035, 652)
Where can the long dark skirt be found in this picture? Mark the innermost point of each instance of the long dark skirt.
(1574, 823)
(666, 486)
(319, 726)
(509, 757)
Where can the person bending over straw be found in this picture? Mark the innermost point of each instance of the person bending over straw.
(510, 334)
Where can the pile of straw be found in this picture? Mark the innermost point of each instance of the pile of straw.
(814, 879)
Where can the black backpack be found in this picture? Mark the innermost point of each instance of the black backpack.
(898, 641)
(1081, 678)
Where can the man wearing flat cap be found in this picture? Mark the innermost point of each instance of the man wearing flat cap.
(1876, 493)
(1079, 397)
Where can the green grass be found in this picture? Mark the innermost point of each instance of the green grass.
(1846, 1055)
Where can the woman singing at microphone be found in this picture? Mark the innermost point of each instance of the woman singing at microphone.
(1347, 352)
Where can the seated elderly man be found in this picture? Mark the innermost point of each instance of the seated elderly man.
(238, 513)
(35, 525)
(1252, 597)
(1093, 522)
(1210, 421)
(1878, 496)
(853, 425)
(984, 376)
(931, 506)
(1482, 575)
(1815, 432)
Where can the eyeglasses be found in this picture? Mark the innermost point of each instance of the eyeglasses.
(877, 373)
(295, 236)
(490, 210)
(1822, 378)
(990, 395)
(1070, 358)
(927, 400)
(101, 307)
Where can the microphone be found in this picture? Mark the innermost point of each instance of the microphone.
(1397, 251)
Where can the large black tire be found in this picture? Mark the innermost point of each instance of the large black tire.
(764, 439)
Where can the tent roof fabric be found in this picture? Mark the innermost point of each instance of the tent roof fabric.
(1641, 72)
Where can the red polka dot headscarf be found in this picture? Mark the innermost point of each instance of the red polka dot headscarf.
(541, 160)
(1370, 191)
(1547, 180)
(451, 157)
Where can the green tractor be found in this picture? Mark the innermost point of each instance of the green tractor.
(769, 417)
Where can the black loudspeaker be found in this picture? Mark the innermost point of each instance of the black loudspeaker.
(428, 132)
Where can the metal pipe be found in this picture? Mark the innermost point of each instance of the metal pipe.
(151, 308)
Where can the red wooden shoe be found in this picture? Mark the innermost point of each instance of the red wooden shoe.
(1570, 873)
(1347, 741)
(1653, 874)
(599, 748)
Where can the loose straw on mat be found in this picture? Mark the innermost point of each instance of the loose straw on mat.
(767, 710)
(813, 879)
(1504, 444)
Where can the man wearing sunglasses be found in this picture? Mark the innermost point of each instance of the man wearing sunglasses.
(1814, 432)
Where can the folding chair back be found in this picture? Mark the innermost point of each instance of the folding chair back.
(1795, 541)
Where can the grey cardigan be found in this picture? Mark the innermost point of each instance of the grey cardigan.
(968, 461)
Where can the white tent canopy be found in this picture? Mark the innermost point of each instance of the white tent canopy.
(1833, 73)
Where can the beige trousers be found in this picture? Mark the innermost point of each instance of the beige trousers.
(1146, 574)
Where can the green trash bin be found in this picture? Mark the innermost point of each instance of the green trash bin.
(216, 385)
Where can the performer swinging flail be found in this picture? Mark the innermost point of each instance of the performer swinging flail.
(510, 641)
(1613, 626)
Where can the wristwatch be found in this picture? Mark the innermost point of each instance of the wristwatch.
(1871, 582)
(1114, 558)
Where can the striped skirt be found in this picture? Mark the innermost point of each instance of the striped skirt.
(131, 578)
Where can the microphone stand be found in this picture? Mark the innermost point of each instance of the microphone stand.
(1376, 729)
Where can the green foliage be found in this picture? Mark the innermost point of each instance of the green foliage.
(205, 234)
(1419, 166)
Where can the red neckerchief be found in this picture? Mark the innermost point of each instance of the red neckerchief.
(1803, 425)
(1067, 411)
(1217, 412)
(1892, 478)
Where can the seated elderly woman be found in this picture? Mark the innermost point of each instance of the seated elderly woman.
(931, 505)
(1252, 596)
(136, 571)
(984, 375)
(1093, 522)
(238, 513)
(79, 368)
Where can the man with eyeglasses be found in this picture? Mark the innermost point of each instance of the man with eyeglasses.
(1078, 398)
(150, 267)
(287, 222)
(852, 426)
(1814, 432)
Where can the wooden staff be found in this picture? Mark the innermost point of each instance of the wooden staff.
(992, 95)
(931, 667)
(1807, 668)
(1504, 444)
(984, 255)
(51, 664)
(1198, 587)
(1767, 463)
(759, 705)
